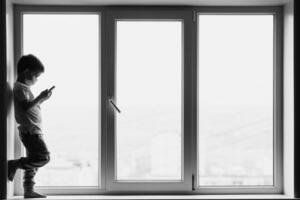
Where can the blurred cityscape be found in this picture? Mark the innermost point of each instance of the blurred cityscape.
(235, 146)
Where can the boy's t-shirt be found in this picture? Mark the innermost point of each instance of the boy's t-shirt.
(29, 120)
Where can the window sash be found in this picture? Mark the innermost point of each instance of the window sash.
(19, 11)
(150, 14)
(277, 100)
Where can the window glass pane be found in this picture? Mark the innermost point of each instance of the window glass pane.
(148, 77)
(68, 46)
(235, 100)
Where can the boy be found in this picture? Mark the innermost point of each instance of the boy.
(28, 117)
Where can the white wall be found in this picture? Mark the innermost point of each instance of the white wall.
(10, 81)
(288, 63)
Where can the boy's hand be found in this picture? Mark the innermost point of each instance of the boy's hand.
(45, 95)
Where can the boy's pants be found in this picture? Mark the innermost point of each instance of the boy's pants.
(37, 156)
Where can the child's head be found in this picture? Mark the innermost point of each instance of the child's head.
(29, 69)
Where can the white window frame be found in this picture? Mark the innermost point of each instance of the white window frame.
(107, 14)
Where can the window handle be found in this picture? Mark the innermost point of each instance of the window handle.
(114, 105)
(193, 182)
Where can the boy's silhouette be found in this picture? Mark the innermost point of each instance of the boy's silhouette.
(28, 117)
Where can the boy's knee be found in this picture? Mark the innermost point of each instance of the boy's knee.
(47, 159)
(43, 160)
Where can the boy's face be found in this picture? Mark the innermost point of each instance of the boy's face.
(32, 77)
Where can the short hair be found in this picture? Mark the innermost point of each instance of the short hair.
(31, 63)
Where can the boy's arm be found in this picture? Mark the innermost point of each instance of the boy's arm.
(38, 100)
(29, 104)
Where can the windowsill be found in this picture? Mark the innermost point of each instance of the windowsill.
(117, 197)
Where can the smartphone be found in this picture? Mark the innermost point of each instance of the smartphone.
(51, 88)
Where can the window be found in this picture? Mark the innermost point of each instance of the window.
(67, 44)
(148, 131)
(235, 100)
(239, 103)
(147, 142)
(178, 100)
